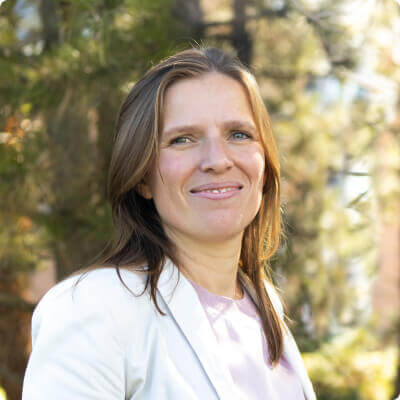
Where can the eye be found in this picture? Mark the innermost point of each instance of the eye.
(242, 133)
(176, 140)
(186, 139)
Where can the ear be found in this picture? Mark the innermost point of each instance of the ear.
(144, 190)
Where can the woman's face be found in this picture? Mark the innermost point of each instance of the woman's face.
(208, 137)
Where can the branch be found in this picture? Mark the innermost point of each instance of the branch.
(353, 173)
(262, 14)
(357, 199)
(315, 18)
(282, 73)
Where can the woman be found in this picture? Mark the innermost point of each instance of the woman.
(179, 305)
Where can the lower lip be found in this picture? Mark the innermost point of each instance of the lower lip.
(217, 196)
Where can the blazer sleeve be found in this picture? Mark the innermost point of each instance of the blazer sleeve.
(75, 350)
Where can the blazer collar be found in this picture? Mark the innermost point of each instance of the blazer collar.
(180, 296)
(184, 305)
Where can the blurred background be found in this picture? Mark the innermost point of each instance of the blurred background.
(329, 71)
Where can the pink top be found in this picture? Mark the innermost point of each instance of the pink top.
(239, 332)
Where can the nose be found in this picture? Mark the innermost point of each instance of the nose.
(216, 156)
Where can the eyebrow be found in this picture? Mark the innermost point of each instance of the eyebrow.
(234, 124)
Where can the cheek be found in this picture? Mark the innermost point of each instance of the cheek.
(172, 171)
(254, 163)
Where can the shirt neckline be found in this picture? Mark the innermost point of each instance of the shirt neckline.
(218, 297)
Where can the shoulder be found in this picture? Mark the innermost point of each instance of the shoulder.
(96, 295)
(100, 284)
(85, 323)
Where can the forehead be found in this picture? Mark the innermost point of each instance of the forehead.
(209, 98)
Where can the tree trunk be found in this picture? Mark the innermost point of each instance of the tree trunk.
(241, 39)
(190, 13)
(49, 19)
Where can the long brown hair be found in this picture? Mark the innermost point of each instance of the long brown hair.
(139, 238)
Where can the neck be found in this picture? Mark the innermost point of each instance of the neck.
(214, 266)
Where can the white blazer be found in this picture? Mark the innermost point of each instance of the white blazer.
(100, 342)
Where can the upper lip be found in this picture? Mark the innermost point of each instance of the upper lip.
(216, 185)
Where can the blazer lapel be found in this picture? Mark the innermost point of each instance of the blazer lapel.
(185, 307)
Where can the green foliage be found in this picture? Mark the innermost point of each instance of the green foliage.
(348, 368)
(53, 167)
(57, 114)
(58, 104)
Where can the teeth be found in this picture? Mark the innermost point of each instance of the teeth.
(219, 190)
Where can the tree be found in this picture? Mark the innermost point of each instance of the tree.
(68, 66)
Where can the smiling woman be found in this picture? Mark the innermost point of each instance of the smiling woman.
(179, 305)
(201, 109)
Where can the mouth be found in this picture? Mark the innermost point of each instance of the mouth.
(217, 187)
(218, 194)
(218, 190)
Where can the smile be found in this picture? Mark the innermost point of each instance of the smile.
(218, 194)
(223, 190)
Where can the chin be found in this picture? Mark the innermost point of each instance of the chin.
(219, 233)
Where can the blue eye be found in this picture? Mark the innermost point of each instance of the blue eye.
(242, 133)
(178, 140)
(173, 141)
